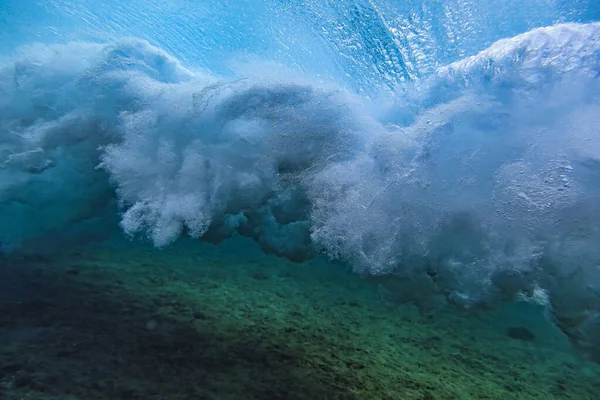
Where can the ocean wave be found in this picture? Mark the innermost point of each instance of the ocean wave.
(475, 186)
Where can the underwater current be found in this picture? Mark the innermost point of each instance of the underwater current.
(449, 148)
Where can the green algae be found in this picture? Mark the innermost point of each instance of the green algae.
(197, 321)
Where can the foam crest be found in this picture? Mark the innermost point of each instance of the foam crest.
(230, 147)
(60, 104)
(486, 189)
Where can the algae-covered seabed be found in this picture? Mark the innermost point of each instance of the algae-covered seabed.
(197, 321)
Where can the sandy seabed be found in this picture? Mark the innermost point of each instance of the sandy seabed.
(195, 321)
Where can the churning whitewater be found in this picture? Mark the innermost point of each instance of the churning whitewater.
(475, 185)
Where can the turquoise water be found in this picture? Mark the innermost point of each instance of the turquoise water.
(330, 199)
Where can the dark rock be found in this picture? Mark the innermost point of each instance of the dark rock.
(22, 379)
(520, 333)
(199, 315)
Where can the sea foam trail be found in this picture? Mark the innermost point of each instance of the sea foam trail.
(476, 186)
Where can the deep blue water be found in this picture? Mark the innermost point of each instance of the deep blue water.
(453, 145)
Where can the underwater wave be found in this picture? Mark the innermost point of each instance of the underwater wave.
(474, 186)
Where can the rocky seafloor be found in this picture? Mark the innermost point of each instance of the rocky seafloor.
(195, 321)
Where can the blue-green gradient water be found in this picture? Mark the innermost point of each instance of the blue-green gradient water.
(451, 148)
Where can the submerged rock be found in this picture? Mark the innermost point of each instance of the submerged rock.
(520, 333)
